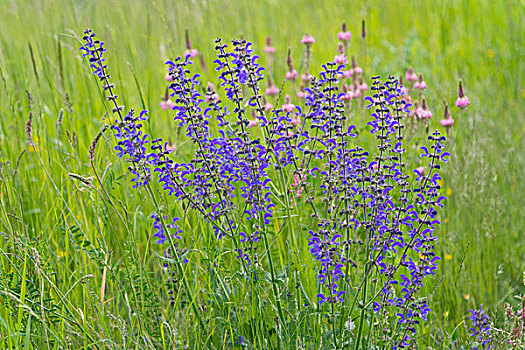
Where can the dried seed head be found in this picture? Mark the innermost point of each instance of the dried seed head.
(29, 128)
(85, 180)
(94, 143)
(29, 124)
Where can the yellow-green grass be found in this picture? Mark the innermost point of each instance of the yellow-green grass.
(481, 241)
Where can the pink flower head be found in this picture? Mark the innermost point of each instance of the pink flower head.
(307, 40)
(417, 111)
(410, 75)
(170, 147)
(462, 101)
(348, 94)
(355, 70)
(357, 91)
(168, 77)
(296, 120)
(211, 96)
(420, 84)
(301, 94)
(340, 48)
(362, 85)
(306, 77)
(271, 90)
(426, 113)
(344, 34)
(298, 182)
(266, 105)
(167, 104)
(269, 49)
(447, 122)
(252, 123)
(288, 106)
(292, 75)
(421, 170)
(190, 52)
(340, 59)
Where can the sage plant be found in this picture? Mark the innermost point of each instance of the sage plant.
(367, 220)
(480, 329)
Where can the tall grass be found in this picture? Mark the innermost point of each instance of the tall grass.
(78, 265)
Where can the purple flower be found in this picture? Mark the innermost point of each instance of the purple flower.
(480, 328)
(371, 220)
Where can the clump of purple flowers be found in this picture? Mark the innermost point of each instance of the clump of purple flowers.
(480, 328)
(372, 222)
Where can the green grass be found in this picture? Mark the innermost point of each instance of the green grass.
(78, 266)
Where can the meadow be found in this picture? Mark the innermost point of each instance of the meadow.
(79, 265)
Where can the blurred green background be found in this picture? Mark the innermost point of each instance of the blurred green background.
(479, 41)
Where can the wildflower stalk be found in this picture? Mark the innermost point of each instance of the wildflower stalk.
(257, 97)
(229, 183)
(367, 264)
(268, 135)
(96, 60)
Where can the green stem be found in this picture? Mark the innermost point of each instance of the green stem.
(274, 288)
(361, 321)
